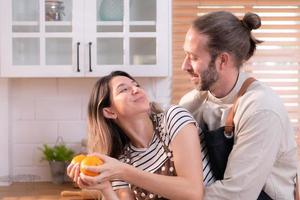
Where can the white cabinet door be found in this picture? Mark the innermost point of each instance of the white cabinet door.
(129, 35)
(71, 38)
(39, 38)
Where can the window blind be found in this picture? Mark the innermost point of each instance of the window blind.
(275, 62)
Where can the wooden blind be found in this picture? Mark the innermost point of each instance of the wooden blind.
(277, 59)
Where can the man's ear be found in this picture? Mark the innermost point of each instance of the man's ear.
(109, 113)
(223, 60)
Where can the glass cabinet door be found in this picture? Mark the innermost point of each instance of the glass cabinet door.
(58, 26)
(25, 22)
(142, 29)
(62, 38)
(44, 38)
(125, 37)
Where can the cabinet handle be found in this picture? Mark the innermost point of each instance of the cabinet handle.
(78, 44)
(90, 56)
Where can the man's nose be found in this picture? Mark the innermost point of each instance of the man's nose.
(186, 64)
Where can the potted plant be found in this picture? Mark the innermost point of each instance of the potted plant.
(58, 157)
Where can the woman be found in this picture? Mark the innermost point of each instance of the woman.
(152, 154)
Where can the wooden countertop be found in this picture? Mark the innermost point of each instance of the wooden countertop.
(37, 191)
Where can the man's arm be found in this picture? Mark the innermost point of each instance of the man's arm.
(251, 160)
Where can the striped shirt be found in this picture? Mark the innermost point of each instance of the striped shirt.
(208, 177)
(153, 157)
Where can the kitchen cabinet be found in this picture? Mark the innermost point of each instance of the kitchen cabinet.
(84, 38)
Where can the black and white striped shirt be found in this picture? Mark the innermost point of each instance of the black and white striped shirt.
(153, 157)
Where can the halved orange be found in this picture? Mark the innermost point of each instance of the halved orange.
(78, 159)
(90, 161)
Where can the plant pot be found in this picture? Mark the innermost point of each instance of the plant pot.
(58, 170)
(67, 178)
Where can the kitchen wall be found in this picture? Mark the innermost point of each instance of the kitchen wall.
(41, 109)
(4, 131)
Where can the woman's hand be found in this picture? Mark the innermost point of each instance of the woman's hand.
(109, 170)
(90, 182)
(73, 171)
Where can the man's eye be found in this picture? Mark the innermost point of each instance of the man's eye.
(194, 58)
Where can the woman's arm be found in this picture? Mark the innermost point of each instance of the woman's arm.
(188, 184)
(107, 192)
(125, 194)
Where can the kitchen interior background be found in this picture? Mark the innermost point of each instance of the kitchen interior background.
(35, 111)
(38, 110)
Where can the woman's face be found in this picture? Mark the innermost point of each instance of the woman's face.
(127, 97)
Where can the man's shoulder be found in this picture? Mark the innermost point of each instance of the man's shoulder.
(261, 97)
(193, 99)
(261, 92)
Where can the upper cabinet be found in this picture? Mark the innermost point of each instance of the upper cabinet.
(76, 38)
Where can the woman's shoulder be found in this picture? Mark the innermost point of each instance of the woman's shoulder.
(176, 115)
(170, 112)
(174, 110)
(175, 118)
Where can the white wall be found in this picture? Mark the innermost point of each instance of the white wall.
(43, 109)
(4, 132)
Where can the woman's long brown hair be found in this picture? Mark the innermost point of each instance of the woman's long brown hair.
(104, 135)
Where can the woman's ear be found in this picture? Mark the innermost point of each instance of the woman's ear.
(109, 113)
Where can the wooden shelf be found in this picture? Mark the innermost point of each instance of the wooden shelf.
(35, 190)
(131, 23)
(47, 23)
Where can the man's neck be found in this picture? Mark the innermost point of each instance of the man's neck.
(225, 85)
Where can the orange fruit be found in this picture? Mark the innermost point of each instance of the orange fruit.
(78, 158)
(90, 161)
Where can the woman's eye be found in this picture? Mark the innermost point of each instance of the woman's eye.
(124, 90)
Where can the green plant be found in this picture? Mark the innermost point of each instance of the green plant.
(57, 153)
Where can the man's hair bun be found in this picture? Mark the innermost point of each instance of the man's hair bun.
(251, 21)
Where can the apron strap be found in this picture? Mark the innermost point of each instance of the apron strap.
(296, 193)
(166, 148)
(229, 125)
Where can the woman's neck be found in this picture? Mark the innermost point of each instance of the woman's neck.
(139, 130)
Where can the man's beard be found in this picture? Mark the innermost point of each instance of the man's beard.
(208, 76)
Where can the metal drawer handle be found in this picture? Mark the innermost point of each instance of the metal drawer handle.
(78, 44)
(90, 56)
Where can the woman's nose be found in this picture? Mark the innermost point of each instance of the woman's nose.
(135, 89)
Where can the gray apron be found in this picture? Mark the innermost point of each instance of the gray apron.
(219, 142)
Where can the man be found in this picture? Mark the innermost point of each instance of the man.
(264, 154)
